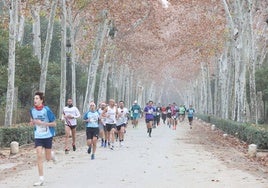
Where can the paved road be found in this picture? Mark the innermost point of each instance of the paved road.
(164, 160)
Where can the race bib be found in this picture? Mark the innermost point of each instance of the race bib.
(136, 111)
(41, 129)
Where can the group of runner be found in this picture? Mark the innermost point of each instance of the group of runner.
(170, 114)
(105, 121)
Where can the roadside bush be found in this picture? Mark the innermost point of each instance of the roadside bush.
(23, 133)
(251, 134)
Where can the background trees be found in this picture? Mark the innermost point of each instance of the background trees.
(201, 52)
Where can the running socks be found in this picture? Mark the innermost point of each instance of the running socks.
(89, 150)
(150, 131)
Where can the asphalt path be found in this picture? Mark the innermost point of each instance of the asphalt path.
(167, 159)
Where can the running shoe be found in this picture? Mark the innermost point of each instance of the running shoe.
(89, 150)
(39, 183)
(102, 143)
(74, 147)
(67, 151)
(112, 147)
(92, 157)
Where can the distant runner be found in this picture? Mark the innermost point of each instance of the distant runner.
(92, 128)
(69, 116)
(136, 113)
(149, 117)
(121, 122)
(190, 113)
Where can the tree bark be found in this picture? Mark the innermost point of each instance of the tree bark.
(104, 79)
(11, 63)
(63, 57)
(44, 64)
(35, 10)
(92, 70)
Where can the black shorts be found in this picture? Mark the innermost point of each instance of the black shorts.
(118, 127)
(44, 142)
(71, 126)
(92, 132)
(148, 120)
(168, 115)
(190, 119)
(110, 126)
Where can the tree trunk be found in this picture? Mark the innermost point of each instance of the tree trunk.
(92, 70)
(20, 25)
(44, 64)
(11, 63)
(35, 10)
(104, 79)
(63, 57)
(73, 52)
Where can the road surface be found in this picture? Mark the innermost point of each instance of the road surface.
(167, 159)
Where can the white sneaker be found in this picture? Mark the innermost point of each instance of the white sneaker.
(121, 144)
(39, 183)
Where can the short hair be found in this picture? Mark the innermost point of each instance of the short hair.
(92, 103)
(41, 95)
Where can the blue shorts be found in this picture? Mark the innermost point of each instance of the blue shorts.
(148, 120)
(44, 142)
(136, 116)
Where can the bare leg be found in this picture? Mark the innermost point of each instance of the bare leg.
(39, 150)
(67, 135)
(74, 138)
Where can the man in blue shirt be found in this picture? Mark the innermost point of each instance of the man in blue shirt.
(43, 120)
(136, 110)
(190, 113)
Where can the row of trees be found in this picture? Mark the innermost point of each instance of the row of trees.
(37, 30)
(234, 86)
(88, 50)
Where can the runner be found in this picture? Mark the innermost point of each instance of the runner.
(110, 113)
(190, 112)
(168, 109)
(174, 115)
(181, 113)
(158, 114)
(92, 128)
(102, 126)
(44, 121)
(136, 113)
(121, 122)
(69, 116)
(149, 117)
(163, 114)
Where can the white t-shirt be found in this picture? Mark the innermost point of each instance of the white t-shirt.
(74, 112)
(111, 115)
(122, 116)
